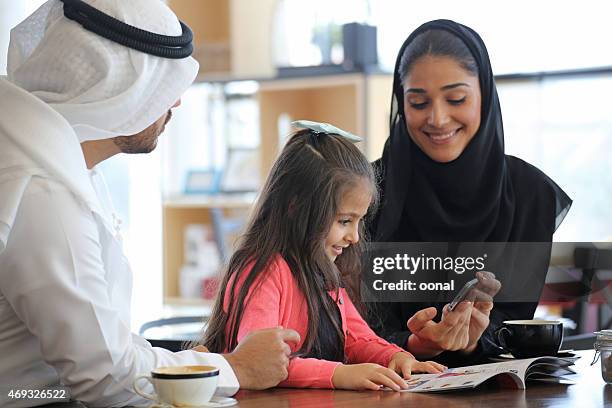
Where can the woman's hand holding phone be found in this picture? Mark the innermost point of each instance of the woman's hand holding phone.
(431, 338)
(483, 293)
(460, 328)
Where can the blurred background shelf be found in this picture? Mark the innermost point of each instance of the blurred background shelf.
(231, 37)
(356, 102)
(210, 201)
(180, 213)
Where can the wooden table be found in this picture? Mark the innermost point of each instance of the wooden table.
(589, 391)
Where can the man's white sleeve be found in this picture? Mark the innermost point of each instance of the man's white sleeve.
(57, 288)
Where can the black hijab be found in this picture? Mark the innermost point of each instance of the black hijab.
(483, 195)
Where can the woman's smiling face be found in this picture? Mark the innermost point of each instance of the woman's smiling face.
(442, 107)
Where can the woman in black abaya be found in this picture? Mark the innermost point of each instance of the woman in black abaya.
(445, 178)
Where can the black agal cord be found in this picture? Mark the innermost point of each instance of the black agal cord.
(94, 20)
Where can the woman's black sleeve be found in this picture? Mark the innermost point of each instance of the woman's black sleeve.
(388, 320)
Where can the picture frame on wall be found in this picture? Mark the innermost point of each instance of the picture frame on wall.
(242, 171)
(202, 181)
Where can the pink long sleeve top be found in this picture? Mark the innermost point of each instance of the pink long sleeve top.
(275, 299)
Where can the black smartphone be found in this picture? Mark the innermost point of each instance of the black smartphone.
(462, 295)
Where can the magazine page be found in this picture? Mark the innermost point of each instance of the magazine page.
(550, 369)
(515, 371)
(470, 376)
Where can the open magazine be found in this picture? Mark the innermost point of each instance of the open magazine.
(508, 374)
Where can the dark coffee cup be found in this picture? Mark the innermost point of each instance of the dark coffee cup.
(530, 338)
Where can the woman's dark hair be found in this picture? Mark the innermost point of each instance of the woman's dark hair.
(437, 43)
(292, 218)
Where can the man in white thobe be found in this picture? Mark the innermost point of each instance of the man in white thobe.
(70, 100)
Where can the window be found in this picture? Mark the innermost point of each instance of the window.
(521, 36)
(562, 125)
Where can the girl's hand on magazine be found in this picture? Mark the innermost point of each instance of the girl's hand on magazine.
(405, 364)
(366, 376)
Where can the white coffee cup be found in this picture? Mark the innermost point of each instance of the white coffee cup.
(181, 386)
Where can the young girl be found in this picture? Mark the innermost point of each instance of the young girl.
(303, 237)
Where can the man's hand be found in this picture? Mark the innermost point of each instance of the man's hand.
(260, 360)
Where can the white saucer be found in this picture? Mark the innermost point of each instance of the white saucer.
(221, 402)
(215, 402)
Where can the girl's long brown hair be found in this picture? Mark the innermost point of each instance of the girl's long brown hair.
(291, 218)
